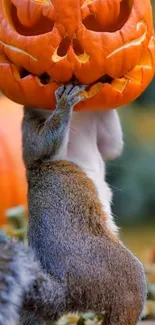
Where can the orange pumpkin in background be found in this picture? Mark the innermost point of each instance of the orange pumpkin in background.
(107, 44)
(12, 172)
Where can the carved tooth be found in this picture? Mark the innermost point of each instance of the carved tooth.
(119, 84)
(92, 91)
(135, 75)
(15, 72)
(37, 79)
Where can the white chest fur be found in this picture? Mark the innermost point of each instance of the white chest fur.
(83, 150)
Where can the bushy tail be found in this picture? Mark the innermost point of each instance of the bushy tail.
(24, 286)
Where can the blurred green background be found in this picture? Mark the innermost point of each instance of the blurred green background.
(132, 176)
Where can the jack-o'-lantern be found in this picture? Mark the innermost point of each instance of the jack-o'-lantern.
(107, 44)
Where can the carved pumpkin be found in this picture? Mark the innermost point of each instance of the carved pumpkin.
(106, 44)
(12, 172)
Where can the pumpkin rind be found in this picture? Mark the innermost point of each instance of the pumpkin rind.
(58, 38)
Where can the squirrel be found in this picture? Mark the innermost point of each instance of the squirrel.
(75, 260)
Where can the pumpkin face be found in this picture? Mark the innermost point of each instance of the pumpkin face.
(107, 44)
(13, 186)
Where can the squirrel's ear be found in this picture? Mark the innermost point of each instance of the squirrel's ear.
(110, 136)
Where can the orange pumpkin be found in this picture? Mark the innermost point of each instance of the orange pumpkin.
(12, 172)
(107, 44)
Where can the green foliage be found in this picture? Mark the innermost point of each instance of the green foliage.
(132, 178)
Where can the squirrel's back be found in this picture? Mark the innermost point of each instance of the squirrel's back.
(54, 186)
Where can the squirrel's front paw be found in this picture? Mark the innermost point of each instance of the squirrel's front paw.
(70, 94)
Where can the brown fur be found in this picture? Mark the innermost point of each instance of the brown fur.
(82, 266)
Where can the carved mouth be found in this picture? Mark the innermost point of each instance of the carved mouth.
(104, 83)
(44, 79)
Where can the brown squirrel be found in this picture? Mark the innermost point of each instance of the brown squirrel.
(74, 260)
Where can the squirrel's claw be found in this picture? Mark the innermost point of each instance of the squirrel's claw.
(70, 93)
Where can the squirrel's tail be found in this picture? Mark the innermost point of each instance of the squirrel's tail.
(24, 286)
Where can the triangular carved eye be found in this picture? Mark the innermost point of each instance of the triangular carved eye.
(44, 26)
(91, 23)
(97, 22)
(32, 25)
